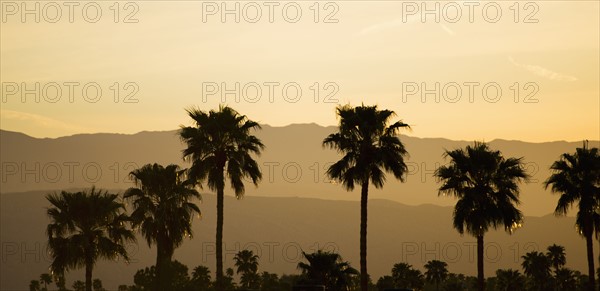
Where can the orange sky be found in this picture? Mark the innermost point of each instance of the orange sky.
(545, 61)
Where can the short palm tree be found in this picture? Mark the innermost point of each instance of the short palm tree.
(509, 280)
(45, 279)
(34, 285)
(86, 226)
(557, 256)
(405, 276)
(247, 265)
(162, 211)
(577, 178)
(201, 278)
(220, 145)
(370, 145)
(486, 185)
(536, 266)
(328, 269)
(437, 271)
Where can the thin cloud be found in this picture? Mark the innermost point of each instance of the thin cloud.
(39, 120)
(543, 72)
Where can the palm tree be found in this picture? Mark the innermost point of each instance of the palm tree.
(162, 212)
(486, 185)
(34, 285)
(201, 278)
(536, 266)
(328, 269)
(557, 256)
(220, 145)
(45, 279)
(371, 147)
(577, 178)
(86, 226)
(97, 284)
(405, 276)
(566, 280)
(509, 279)
(79, 285)
(437, 271)
(247, 264)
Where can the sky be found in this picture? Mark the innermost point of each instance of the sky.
(479, 71)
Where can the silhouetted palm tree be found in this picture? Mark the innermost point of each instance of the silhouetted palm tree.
(328, 269)
(557, 256)
(162, 211)
(566, 280)
(371, 147)
(79, 285)
(34, 285)
(220, 145)
(86, 226)
(486, 185)
(45, 279)
(437, 271)
(201, 278)
(247, 264)
(405, 276)
(536, 266)
(97, 284)
(577, 178)
(509, 280)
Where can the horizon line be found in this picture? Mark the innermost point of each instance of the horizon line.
(289, 125)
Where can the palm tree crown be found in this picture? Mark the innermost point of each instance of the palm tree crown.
(86, 226)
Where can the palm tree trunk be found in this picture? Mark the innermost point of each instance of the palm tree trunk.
(480, 278)
(364, 279)
(162, 260)
(89, 265)
(590, 258)
(219, 239)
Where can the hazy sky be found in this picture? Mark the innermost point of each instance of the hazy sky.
(543, 56)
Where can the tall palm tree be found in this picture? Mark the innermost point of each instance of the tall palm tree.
(162, 212)
(247, 264)
(557, 256)
(437, 271)
(220, 145)
(86, 226)
(45, 279)
(536, 266)
(486, 185)
(509, 280)
(577, 178)
(371, 147)
(328, 269)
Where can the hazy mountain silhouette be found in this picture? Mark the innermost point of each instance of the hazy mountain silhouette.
(276, 229)
(293, 164)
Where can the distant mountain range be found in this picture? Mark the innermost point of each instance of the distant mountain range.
(293, 164)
